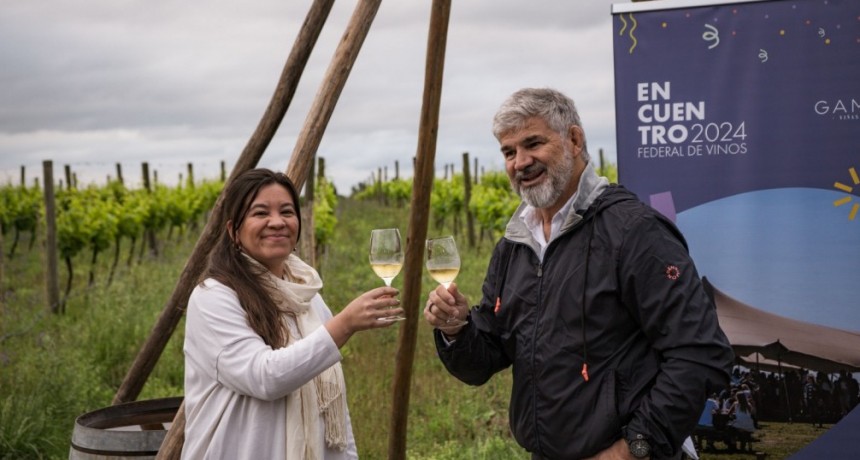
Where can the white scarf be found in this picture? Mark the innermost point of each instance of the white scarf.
(325, 393)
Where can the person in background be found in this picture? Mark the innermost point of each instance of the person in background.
(705, 425)
(745, 392)
(812, 401)
(742, 422)
(262, 362)
(843, 391)
(591, 296)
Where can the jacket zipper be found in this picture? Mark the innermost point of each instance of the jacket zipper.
(534, 348)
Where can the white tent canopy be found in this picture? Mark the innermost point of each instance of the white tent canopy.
(757, 361)
(785, 340)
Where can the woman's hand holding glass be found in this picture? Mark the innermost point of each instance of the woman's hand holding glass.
(366, 311)
(386, 258)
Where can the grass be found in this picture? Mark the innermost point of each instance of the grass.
(54, 368)
(778, 440)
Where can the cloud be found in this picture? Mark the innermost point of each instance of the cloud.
(92, 83)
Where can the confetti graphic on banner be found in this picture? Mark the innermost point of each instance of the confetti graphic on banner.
(632, 28)
(855, 179)
(711, 34)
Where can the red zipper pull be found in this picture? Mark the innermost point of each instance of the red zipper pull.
(584, 371)
(498, 305)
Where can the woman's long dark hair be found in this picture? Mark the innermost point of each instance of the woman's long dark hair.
(743, 403)
(230, 267)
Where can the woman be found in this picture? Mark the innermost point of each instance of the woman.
(742, 421)
(262, 372)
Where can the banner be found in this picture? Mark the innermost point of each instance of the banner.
(741, 122)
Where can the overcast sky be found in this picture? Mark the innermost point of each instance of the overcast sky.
(92, 83)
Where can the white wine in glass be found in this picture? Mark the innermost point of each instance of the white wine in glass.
(443, 263)
(386, 257)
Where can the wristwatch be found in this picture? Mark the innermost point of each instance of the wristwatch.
(638, 445)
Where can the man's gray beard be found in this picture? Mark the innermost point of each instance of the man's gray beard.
(547, 193)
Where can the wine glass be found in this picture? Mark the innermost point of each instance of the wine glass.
(386, 257)
(443, 263)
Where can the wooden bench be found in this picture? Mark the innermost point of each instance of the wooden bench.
(723, 432)
(720, 431)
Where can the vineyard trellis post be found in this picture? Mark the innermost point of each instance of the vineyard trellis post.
(150, 232)
(68, 171)
(2, 288)
(467, 196)
(418, 222)
(308, 244)
(378, 183)
(190, 181)
(52, 283)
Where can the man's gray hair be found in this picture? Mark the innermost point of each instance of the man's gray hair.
(555, 108)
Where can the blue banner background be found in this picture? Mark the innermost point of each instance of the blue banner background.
(761, 174)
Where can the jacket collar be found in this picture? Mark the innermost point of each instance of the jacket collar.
(590, 187)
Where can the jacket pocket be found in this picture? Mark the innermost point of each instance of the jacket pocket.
(587, 420)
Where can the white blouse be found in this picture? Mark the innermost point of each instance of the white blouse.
(236, 386)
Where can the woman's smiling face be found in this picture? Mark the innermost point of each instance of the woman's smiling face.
(269, 230)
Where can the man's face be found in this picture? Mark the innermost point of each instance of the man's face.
(538, 162)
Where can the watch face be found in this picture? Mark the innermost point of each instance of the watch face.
(640, 448)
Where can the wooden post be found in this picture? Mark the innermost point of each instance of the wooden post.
(476, 170)
(379, 196)
(332, 85)
(150, 233)
(254, 149)
(223, 171)
(2, 264)
(68, 170)
(52, 283)
(171, 446)
(396, 170)
(190, 175)
(467, 192)
(119, 174)
(23, 176)
(602, 171)
(417, 233)
(308, 243)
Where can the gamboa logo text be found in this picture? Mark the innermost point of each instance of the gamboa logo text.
(839, 109)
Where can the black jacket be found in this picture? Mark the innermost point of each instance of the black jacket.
(617, 291)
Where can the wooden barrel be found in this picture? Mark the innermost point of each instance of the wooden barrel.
(132, 431)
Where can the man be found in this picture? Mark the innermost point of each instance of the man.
(592, 297)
